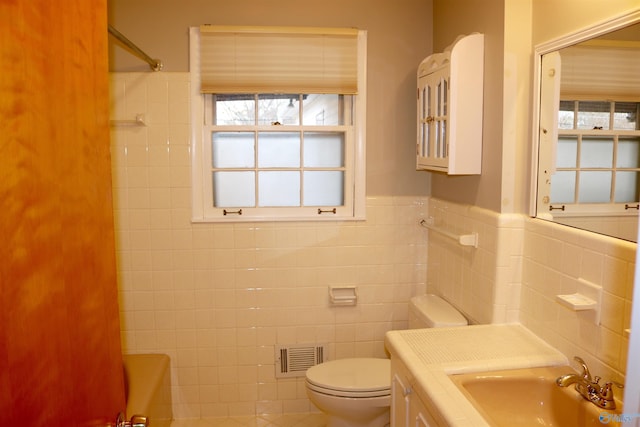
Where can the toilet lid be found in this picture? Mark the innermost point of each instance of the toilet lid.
(356, 377)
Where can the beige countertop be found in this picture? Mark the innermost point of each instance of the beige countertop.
(431, 355)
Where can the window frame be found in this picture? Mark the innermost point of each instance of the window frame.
(202, 194)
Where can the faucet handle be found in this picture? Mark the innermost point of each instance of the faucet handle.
(585, 369)
(606, 394)
(607, 387)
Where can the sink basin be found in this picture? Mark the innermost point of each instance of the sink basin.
(530, 397)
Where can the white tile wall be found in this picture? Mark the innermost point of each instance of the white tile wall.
(520, 266)
(555, 258)
(217, 297)
(483, 282)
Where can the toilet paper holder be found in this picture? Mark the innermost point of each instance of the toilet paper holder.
(343, 295)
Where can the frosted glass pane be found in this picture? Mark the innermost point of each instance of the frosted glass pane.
(628, 153)
(279, 188)
(234, 189)
(567, 151)
(233, 149)
(596, 152)
(324, 149)
(323, 188)
(626, 187)
(278, 149)
(595, 187)
(563, 187)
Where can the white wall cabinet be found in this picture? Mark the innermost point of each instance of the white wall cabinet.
(407, 410)
(450, 102)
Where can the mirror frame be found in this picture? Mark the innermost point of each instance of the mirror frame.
(541, 49)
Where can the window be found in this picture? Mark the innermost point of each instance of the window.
(265, 152)
(597, 157)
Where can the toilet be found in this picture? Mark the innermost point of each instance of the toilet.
(356, 392)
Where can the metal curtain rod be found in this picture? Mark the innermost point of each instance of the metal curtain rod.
(155, 64)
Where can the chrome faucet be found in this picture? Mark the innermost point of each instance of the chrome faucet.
(590, 388)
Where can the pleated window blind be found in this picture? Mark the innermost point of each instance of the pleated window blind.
(596, 71)
(278, 60)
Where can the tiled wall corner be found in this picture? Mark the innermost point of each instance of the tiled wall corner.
(555, 258)
(483, 282)
(520, 266)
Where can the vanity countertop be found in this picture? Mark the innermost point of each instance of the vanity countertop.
(432, 354)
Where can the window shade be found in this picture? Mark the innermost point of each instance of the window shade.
(601, 72)
(278, 60)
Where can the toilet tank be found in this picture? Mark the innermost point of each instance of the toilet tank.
(431, 311)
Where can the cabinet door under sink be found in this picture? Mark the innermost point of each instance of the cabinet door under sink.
(407, 409)
(400, 400)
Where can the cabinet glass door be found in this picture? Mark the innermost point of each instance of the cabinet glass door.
(433, 110)
(442, 89)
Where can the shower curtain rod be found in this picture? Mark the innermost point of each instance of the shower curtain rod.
(155, 64)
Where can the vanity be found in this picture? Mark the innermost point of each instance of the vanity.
(422, 361)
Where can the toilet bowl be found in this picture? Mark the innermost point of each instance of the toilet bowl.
(353, 392)
(356, 392)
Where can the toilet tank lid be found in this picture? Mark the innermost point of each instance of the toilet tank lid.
(436, 312)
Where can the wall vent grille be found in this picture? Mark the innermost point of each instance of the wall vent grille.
(293, 360)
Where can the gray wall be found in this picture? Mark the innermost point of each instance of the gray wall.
(399, 37)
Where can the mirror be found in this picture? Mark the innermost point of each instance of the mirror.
(588, 130)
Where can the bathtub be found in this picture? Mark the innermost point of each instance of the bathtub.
(148, 387)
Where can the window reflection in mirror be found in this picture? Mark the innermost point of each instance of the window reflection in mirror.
(589, 153)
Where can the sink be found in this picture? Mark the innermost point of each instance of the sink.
(530, 397)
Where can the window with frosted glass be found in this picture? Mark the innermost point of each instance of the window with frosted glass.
(597, 153)
(275, 161)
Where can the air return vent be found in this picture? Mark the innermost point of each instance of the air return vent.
(294, 360)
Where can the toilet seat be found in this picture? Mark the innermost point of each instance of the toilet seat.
(354, 378)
